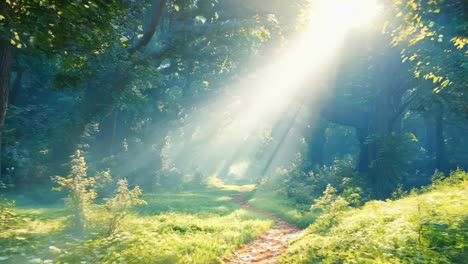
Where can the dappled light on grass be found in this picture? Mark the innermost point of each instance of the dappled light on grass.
(199, 226)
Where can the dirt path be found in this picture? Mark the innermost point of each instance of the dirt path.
(267, 247)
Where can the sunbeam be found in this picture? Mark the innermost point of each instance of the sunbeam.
(261, 99)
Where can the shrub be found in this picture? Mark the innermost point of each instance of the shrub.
(80, 190)
(305, 187)
(121, 203)
(456, 177)
(102, 184)
(425, 227)
(329, 205)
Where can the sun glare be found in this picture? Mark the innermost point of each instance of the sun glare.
(345, 14)
(300, 70)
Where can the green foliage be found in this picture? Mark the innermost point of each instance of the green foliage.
(456, 177)
(121, 203)
(80, 190)
(430, 227)
(329, 205)
(392, 157)
(399, 192)
(305, 187)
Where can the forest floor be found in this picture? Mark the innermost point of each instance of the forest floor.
(267, 247)
(192, 226)
(206, 225)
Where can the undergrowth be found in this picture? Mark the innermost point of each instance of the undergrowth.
(426, 226)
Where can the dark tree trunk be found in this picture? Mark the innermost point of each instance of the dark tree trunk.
(389, 84)
(361, 121)
(281, 140)
(96, 102)
(430, 135)
(6, 57)
(16, 88)
(364, 151)
(317, 144)
(440, 151)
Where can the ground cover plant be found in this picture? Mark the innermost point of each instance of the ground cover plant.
(427, 226)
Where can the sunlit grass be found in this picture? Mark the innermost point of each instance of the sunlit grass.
(199, 226)
(32, 230)
(279, 205)
(218, 184)
(172, 238)
(422, 228)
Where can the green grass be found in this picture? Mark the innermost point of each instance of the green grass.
(281, 206)
(31, 230)
(200, 226)
(430, 227)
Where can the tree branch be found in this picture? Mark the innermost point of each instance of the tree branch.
(402, 108)
(152, 29)
(344, 115)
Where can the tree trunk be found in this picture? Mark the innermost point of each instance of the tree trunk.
(317, 144)
(281, 140)
(364, 151)
(440, 151)
(430, 136)
(16, 88)
(6, 57)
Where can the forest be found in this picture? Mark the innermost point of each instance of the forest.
(233, 131)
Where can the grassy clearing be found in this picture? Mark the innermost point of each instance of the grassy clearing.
(281, 206)
(32, 229)
(431, 227)
(199, 226)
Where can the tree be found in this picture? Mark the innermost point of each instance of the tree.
(66, 30)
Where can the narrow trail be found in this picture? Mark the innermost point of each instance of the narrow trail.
(270, 245)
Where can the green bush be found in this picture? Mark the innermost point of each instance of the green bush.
(80, 190)
(330, 206)
(121, 203)
(426, 227)
(305, 187)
